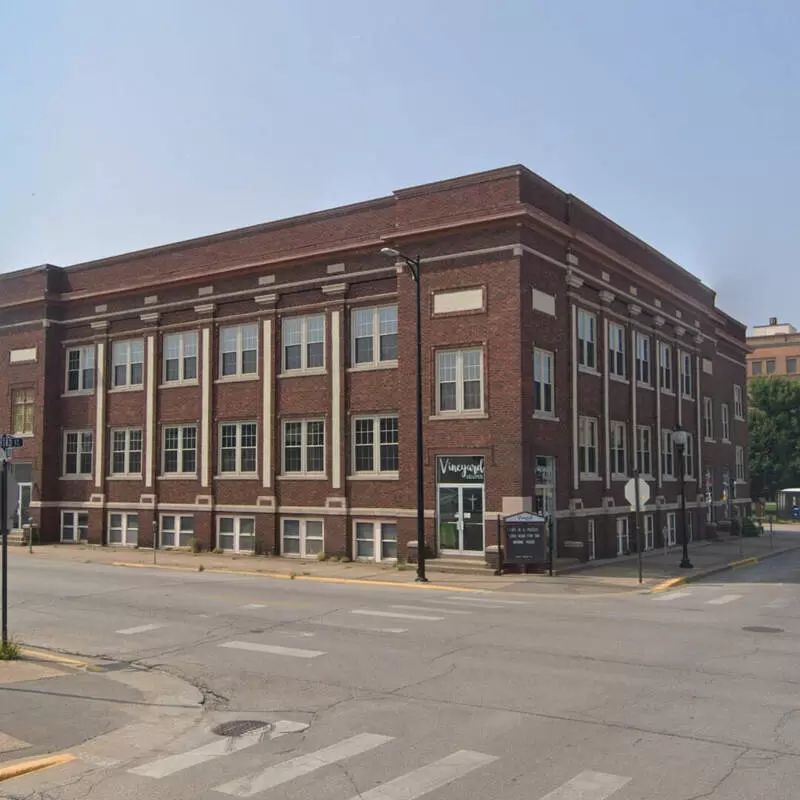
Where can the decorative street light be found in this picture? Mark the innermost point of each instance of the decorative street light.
(680, 439)
(413, 265)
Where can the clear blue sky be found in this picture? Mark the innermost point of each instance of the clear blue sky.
(126, 125)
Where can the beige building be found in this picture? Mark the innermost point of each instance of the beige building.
(774, 350)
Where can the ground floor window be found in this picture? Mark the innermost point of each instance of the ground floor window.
(236, 534)
(177, 530)
(672, 529)
(123, 529)
(592, 544)
(74, 526)
(302, 537)
(623, 536)
(649, 532)
(376, 541)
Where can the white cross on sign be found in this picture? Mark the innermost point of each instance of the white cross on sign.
(630, 491)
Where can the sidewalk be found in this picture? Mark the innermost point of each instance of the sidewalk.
(619, 574)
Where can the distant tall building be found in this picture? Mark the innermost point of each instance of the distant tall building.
(774, 350)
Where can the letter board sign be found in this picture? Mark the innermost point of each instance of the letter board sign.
(526, 539)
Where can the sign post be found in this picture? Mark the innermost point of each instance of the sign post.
(7, 444)
(637, 493)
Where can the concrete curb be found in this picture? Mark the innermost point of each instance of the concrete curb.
(705, 573)
(9, 771)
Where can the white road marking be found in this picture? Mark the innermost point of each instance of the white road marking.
(296, 634)
(435, 610)
(470, 603)
(589, 786)
(252, 605)
(665, 598)
(302, 765)
(781, 602)
(358, 627)
(221, 747)
(368, 612)
(428, 778)
(141, 629)
(8, 744)
(274, 649)
(488, 600)
(726, 598)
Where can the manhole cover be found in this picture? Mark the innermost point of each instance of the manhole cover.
(762, 629)
(239, 727)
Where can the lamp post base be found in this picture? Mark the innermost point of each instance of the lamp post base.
(686, 564)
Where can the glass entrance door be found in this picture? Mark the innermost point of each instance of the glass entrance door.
(22, 511)
(460, 515)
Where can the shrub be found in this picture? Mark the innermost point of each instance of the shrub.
(9, 651)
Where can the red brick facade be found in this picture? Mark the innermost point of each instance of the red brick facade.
(509, 261)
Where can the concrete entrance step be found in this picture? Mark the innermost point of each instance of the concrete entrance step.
(460, 565)
(16, 539)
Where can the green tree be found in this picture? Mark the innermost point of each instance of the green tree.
(774, 435)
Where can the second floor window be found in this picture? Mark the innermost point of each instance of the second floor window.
(644, 460)
(587, 446)
(667, 454)
(543, 381)
(180, 357)
(756, 367)
(374, 335)
(619, 455)
(126, 451)
(687, 382)
(237, 447)
(80, 369)
(665, 366)
(304, 446)
(738, 402)
(643, 358)
(127, 362)
(616, 350)
(78, 452)
(180, 450)
(587, 339)
(238, 350)
(376, 444)
(303, 343)
(708, 419)
(688, 457)
(22, 404)
(459, 380)
(725, 422)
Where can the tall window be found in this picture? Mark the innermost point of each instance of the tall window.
(303, 343)
(587, 339)
(587, 446)
(725, 422)
(180, 450)
(304, 446)
(791, 366)
(708, 419)
(177, 530)
(78, 451)
(237, 448)
(236, 534)
(667, 454)
(616, 350)
(665, 366)
(374, 332)
(672, 534)
(756, 367)
(770, 366)
(740, 463)
(127, 362)
(619, 450)
(22, 404)
(238, 350)
(376, 444)
(80, 369)
(545, 485)
(687, 381)
(543, 382)
(180, 357)
(459, 380)
(649, 532)
(644, 460)
(126, 451)
(123, 529)
(688, 457)
(643, 358)
(301, 537)
(738, 402)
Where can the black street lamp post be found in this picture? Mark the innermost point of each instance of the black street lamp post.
(413, 265)
(680, 438)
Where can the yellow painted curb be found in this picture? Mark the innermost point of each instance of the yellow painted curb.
(23, 768)
(662, 587)
(313, 578)
(72, 662)
(743, 562)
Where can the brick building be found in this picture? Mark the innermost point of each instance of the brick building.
(774, 350)
(254, 390)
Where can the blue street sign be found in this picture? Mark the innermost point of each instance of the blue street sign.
(7, 441)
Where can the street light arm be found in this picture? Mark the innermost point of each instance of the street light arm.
(413, 264)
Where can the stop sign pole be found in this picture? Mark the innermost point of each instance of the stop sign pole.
(637, 493)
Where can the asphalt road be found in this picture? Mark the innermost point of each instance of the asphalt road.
(393, 694)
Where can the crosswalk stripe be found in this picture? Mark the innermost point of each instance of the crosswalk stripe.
(430, 608)
(428, 778)
(222, 747)
(368, 612)
(588, 785)
(141, 629)
(365, 628)
(726, 598)
(485, 601)
(273, 649)
(302, 765)
(253, 605)
(781, 602)
(665, 598)
(470, 603)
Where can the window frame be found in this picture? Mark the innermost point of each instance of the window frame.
(667, 453)
(586, 323)
(85, 352)
(738, 402)
(617, 354)
(238, 448)
(641, 451)
(236, 533)
(649, 531)
(739, 464)
(708, 419)
(238, 351)
(541, 357)
(584, 450)
(644, 359)
(76, 526)
(182, 337)
(112, 451)
(672, 529)
(302, 537)
(82, 435)
(771, 366)
(177, 531)
(792, 360)
(304, 343)
(378, 540)
(756, 368)
(128, 362)
(617, 433)
(28, 409)
(725, 422)
(124, 528)
(688, 457)
(687, 378)
(377, 444)
(666, 371)
(304, 447)
(376, 336)
(459, 381)
(181, 449)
